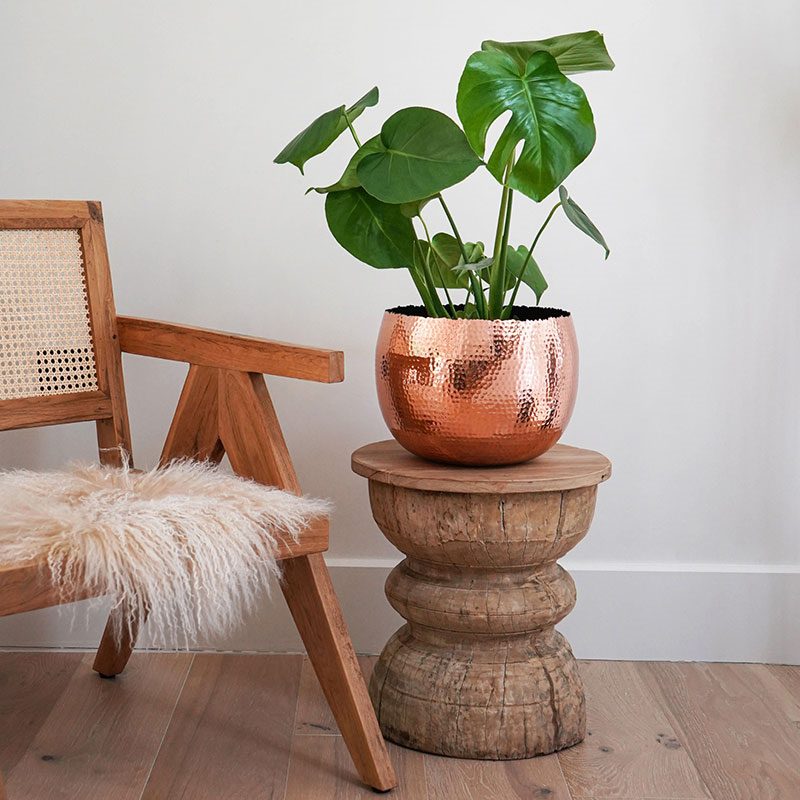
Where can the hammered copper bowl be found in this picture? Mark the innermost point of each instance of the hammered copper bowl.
(473, 391)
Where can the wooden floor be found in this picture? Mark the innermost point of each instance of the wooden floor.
(219, 727)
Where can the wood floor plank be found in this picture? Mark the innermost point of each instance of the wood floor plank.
(314, 716)
(743, 747)
(321, 766)
(631, 750)
(30, 685)
(101, 737)
(230, 736)
(464, 779)
(64, 733)
(789, 676)
(782, 691)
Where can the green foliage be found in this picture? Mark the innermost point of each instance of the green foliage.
(374, 209)
(573, 52)
(324, 131)
(549, 115)
(349, 179)
(576, 215)
(414, 209)
(473, 252)
(442, 257)
(374, 232)
(521, 266)
(423, 151)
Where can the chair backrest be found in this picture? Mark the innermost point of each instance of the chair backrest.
(59, 348)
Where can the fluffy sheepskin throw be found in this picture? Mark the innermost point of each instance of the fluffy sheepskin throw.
(190, 546)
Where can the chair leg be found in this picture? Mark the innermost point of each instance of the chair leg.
(114, 652)
(252, 437)
(308, 590)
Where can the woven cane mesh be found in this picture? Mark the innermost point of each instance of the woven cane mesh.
(45, 337)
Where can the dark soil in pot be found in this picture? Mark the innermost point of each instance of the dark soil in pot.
(521, 313)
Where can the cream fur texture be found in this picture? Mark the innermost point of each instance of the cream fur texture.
(189, 545)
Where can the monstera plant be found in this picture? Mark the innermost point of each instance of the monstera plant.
(376, 209)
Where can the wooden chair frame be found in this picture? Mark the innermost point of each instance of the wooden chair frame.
(224, 407)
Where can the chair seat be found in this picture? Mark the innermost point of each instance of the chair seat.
(28, 585)
(154, 539)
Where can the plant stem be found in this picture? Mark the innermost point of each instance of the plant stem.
(477, 294)
(497, 278)
(495, 287)
(509, 308)
(419, 282)
(436, 303)
(352, 129)
(433, 255)
(453, 226)
(544, 225)
(506, 230)
(474, 282)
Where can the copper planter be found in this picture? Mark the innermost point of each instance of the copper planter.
(477, 392)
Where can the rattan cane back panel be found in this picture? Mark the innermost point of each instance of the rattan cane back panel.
(45, 333)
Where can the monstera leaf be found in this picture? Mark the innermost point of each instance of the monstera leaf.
(549, 115)
(423, 152)
(374, 232)
(447, 254)
(531, 275)
(323, 131)
(577, 216)
(446, 248)
(414, 209)
(573, 52)
(349, 179)
(476, 262)
(474, 251)
(444, 255)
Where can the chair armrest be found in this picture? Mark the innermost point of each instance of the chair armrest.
(148, 337)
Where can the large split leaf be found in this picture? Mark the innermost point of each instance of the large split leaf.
(577, 216)
(323, 131)
(573, 52)
(424, 151)
(374, 232)
(549, 115)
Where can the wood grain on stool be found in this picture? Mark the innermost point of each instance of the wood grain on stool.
(479, 671)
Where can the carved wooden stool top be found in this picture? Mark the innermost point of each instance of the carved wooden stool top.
(563, 467)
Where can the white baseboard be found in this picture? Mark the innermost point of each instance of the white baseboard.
(676, 612)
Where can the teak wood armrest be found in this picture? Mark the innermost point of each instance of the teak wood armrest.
(206, 348)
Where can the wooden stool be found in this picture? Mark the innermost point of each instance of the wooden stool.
(479, 671)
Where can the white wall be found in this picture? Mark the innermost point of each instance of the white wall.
(171, 112)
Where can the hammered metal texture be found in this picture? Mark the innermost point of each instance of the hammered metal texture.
(476, 392)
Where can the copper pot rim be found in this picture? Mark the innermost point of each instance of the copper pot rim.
(418, 312)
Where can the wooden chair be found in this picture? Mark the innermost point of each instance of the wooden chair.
(60, 361)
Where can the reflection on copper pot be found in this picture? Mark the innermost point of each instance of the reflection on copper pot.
(474, 391)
